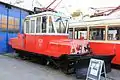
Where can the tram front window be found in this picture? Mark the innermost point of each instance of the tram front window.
(97, 33)
(114, 33)
(61, 24)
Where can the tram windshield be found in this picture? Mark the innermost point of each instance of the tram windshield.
(46, 24)
(61, 24)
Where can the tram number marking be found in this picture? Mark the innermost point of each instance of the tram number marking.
(40, 41)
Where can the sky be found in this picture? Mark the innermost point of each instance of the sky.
(68, 6)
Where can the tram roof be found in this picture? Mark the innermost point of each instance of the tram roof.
(47, 13)
(97, 21)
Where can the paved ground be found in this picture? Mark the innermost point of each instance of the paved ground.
(17, 69)
(114, 75)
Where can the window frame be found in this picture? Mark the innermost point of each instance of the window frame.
(34, 18)
(82, 30)
(108, 31)
(46, 31)
(40, 25)
(61, 25)
(96, 28)
(25, 31)
(53, 24)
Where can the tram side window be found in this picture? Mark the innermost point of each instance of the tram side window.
(97, 33)
(70, 32)
(81, 33)
(114, 33)
(51, 27)
(27, 26)
(44, 24)
(38, 25)
(32, 26)
(76, 35)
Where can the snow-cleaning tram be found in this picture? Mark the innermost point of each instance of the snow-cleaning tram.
(46, 35)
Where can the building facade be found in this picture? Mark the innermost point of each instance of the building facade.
(11, 23)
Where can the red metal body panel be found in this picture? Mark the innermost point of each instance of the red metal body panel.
(18, 42)
(50, 45)
(99, 48)
(57, 45)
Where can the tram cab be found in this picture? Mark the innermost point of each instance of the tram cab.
(46, 33)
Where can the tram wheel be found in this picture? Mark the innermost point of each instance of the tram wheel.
(43, 61)
(68, 71)
(21, 55)
(18, 54)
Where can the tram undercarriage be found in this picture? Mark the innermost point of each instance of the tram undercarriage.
(69, 64)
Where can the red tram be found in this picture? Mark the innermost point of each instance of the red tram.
(46, 34)
(103, 34)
